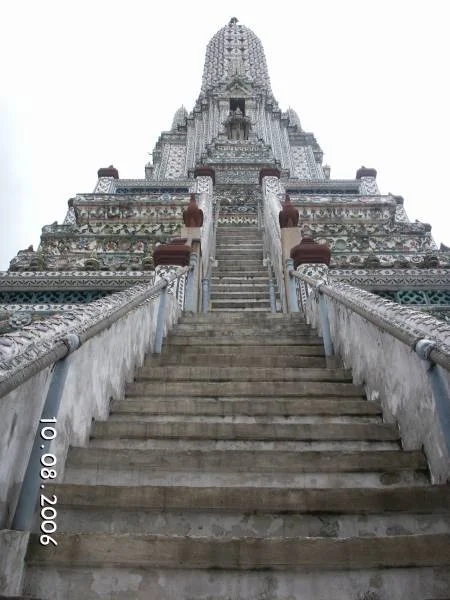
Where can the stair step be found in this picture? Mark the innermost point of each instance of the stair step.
(258, 374)
(239, 279)
(237, 511)
(259, 274)
(244, 431)
(238, 340)
(241, 304)
(260, 445)
(245, 406)
(243, 317)
(123, 475)
(238, 461)
(255, 330)
(252, 351)
(232, 360)
(418, 500)
(218, 294)
(249, 309)
(183, 552)
(244, 388)
(194, 522)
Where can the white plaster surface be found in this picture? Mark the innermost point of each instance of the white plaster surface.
(98, 372)
(392, 374)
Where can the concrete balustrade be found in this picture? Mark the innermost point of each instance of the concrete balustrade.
(98, 373)
(387, 366)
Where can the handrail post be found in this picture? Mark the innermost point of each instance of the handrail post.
(273, 300)
(324, 322)
(205, 295)
(190, 286)
(438, 387)
(291, 287)
(23, 516)
(161, 318)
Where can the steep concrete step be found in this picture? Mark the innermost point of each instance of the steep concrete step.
(243, 286)
(418, 500)
(259, 274)
(164, 405)
(243, 388)
(237, 374)
(239, 340)
(238, 245)
(238, 461)
(218, 329)
(226, 266)
(184, 584)
(231, 511)
(244, 431)
(217, 318)
(249, 553)
(247, 419)
(240, 279)
(246, 308)
(255, 258)
(217, 303)
(252, 352)
(240, 253)
(218, 293)
(260, 445)
(232, 360)
(194, 522)
(140, 475)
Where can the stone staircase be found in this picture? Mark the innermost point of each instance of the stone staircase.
(239, 282)
(239, 467)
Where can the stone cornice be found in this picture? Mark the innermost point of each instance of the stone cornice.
(72, 280)
(317, 185)
(393, 279)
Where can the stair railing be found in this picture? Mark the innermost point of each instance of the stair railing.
(267, 262)
(41, 367)
(209, 253)
(272, 242)
(365, 329)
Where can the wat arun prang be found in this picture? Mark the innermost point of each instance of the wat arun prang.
(235, 130)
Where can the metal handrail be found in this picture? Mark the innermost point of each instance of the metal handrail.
(206, 283)
(374, 316)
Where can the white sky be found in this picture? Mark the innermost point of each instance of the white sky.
(89, 84)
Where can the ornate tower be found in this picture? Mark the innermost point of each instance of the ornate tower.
(257, 153)
(242, 458)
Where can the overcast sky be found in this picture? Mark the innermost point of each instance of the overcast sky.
(89, 84)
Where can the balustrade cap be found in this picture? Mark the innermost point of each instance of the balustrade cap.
(366, 172)
(108, 172)
(268, 172)
(309, 251)
(205, 172)
(175, 253)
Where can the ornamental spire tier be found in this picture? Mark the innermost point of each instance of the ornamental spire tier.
(235, 147)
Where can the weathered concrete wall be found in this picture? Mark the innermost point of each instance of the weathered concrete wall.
(98, 372)
(392, 374)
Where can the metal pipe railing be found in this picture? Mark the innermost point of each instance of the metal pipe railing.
(374, 316)
(206, 281)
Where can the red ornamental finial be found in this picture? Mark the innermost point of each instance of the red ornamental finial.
(309, 251)
(288, 216)
(193, 215)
